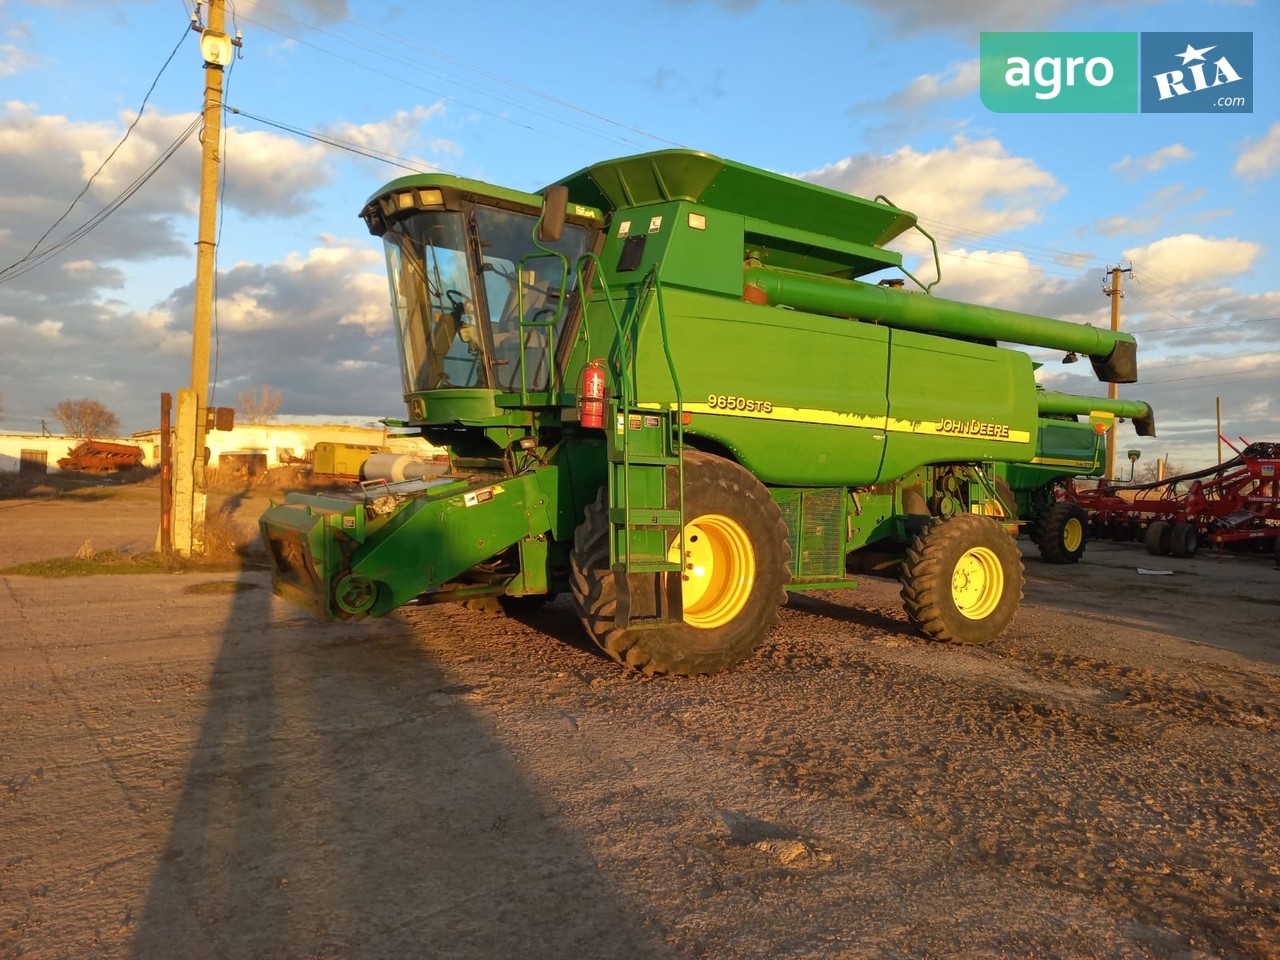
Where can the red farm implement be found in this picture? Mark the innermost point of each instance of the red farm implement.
(1234, 505)
(99, 456)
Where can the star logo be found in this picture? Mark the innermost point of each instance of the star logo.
(1191, 53)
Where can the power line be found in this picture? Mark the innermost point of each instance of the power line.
(415, 64)
(513, 83)
(395, 161)
(1202, 326)
(30, 262)
(1083, 261)
(7, 273)
(383, 56)
(1223, 359)
(921, 247)
(1234, 377)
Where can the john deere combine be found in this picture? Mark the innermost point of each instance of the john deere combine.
(1068, 448)
(664, 390)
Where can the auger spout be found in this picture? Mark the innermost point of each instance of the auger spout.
(1139, 411)
(1114, 355)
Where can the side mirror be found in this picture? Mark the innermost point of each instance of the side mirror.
(555, 206)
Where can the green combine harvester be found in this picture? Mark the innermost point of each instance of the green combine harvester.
(664, 391)
(1069, 448)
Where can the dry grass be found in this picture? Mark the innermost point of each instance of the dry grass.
(223, 539)
(60, 484)
(81, 486)
(226, 547)
(88, 562)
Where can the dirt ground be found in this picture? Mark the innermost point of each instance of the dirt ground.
(190, 768)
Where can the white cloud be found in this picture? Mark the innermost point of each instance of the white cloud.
(1117, 223)
(1157, 160)
(295, 17)
(289, 323)
(1152, 212)
(370, 312)
(957, 80)
(14, 60)
(340, 283)
(928, 16)
(1189, 259)
(46, 162)
(958, 16)
(973, 183)
(1260, 156)
(270, 175)
(397, 133)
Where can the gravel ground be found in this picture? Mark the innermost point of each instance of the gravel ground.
(190, 768)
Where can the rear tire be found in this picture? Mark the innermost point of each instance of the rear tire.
(1063, 533)
(1184, 540)
(1157, 538)
(962, 579)
(737, 542)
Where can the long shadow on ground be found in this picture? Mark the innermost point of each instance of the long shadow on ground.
(344, 800)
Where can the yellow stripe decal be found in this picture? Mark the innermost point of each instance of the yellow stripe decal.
(1056, 462)
(962, 429)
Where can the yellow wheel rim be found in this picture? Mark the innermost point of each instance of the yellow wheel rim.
(719, 570)
(977, 583)
(1072, 534)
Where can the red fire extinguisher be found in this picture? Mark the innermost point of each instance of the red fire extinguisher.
(593, 389)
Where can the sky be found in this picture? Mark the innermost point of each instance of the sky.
(329, 99)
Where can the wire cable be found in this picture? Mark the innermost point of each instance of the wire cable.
(7, 273)
(389, 158)
(515, 84)
(30, 262)
(415, 65)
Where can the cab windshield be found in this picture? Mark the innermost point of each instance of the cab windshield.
(458, 293)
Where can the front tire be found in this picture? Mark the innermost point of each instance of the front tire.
(1062, 533)
(737, 561)
(962, 579)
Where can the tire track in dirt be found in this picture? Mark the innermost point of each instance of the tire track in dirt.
(1127, 786)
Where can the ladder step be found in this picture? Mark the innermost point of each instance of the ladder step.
(644, 517)
(645, 459)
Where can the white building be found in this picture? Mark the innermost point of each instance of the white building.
(279, 443)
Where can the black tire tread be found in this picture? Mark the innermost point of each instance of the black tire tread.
(1049, 534)
(1157, 537)
(927, 571)
(595, 589)
(1184, 540)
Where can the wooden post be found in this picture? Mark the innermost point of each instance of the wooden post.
(166, 474)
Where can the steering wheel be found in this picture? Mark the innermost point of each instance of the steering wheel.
(457, 301)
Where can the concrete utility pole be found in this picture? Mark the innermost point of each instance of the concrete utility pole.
(216, 47)
(1113, 390)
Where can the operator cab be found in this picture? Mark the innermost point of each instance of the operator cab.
(479, 302)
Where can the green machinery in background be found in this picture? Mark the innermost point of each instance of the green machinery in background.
(1068, 447)
(665, 391)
